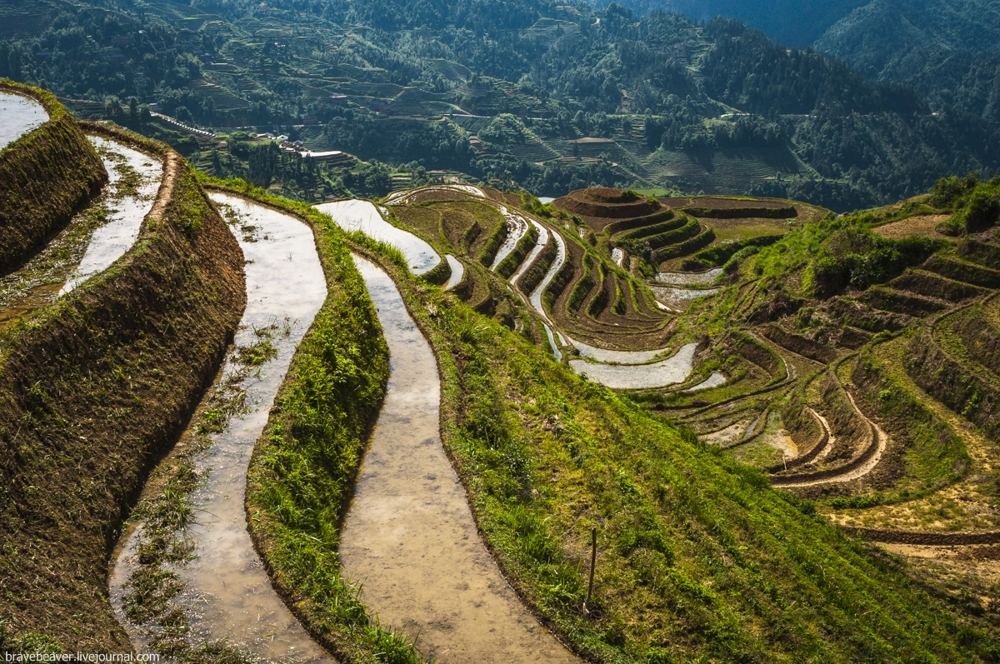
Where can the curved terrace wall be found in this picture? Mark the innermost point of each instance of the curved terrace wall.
(45, 177)
(92, 390)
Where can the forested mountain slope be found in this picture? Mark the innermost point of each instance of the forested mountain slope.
(529, 93)
(947, 49)
(792, 22)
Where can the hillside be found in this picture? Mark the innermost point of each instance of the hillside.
(758, 366)
(544, 96)
(947, 50)
(712, 406)
(793, 22)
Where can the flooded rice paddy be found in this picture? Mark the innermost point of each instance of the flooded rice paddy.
(457, 272)
(617, 356)
(95, 237)
(125, 212)
(517, 226)
(226, 591)
(536, 295)
(715, 380)
(409, 536)
(671, 371)
(543, 240)
(689, 278)
(18, 116)
(357, 215)
(679, 298)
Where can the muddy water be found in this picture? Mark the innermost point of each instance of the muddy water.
(689, 278)
(543, 240)
(227, 593)
(617, 356)
(363, 216)
(409, 536)
(18, 116)
(680, 298)
(111, 241)
(457, 272)
(715, 380)
(517, 226)
(640, 376)
(536, 295)
(881, 441)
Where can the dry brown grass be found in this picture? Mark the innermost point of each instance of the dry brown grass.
(925, 225)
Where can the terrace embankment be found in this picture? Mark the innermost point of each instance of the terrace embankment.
(91, 392)
(46, 175)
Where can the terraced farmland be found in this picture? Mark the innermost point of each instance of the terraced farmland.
(459, 425)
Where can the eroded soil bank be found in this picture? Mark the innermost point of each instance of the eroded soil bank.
(409, 536)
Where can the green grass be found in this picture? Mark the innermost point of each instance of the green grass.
(698, 558)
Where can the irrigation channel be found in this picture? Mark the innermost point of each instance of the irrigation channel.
(20, 114)
(409, 535)
(226, 591)
(94, 239)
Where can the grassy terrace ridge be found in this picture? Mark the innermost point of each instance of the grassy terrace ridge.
(46, 176)
(698, 557)
(304, 466)
(92, 390)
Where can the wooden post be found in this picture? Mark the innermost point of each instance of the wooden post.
(593, 563)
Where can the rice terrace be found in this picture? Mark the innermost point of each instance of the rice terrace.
(459, 424)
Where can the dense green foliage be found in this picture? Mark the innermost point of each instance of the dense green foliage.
(944, 48)
(503, 91)
(853, 257)
(792, 22)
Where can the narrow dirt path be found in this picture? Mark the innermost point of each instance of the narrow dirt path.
(227, 593)
(409, 536)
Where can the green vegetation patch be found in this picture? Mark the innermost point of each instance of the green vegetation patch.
(698, 558)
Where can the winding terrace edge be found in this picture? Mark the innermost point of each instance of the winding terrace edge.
(92, 391)
(46, 176)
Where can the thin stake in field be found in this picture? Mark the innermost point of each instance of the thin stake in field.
(593, 564)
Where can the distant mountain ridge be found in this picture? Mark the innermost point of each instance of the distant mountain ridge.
(792, 22)
(947, 49)
(516, 93)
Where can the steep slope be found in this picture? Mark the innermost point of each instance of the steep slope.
(697, 556)
(46, 175)
(92, 390)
